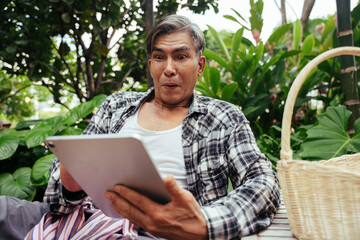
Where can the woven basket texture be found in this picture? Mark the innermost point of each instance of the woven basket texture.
(322, 198)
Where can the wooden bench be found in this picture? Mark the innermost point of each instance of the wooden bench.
(279, 228)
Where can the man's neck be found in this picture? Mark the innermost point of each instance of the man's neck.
(169, 107)
(159, 117)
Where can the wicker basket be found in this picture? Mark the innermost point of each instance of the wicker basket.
(322, 198)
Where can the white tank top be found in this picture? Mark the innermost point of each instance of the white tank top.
(165, 148)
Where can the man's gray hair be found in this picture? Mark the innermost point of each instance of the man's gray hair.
(176, 23)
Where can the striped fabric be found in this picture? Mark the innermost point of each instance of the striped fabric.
(73, 226)
(218, 145)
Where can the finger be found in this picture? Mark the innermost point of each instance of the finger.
(126, 209)
(138, 200)
(173, 187)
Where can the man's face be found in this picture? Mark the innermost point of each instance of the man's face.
(174, 66)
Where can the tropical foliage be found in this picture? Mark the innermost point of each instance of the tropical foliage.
(84, 47)
(25, 160)
(329, 137)
(257, 77)
(254, 74)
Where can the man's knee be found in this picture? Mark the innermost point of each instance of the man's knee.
(17, 217)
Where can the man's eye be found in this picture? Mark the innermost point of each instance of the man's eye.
(158, 57)
(181, 56)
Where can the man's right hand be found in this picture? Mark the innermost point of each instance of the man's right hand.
(68, 181)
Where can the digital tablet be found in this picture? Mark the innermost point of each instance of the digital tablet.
(98, 162)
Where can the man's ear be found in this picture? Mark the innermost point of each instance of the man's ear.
(202, 61)
(149, 66)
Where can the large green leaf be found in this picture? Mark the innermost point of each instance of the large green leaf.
(212, 55)
(98, 99)
(329, 138)
(71, 131)
(220, 43)
(328, 30)
(259, 52)
(279, 33)
(25, 124)
(9, 141)
(355, 14)
(228, 91)
(40, 170)
(22, 135)
(83, 110)
(17, 184)
(308, 45)
(39, 133)
(236, 43)
(297, 34)
(238, 14)
(214, 80)
(255, 19)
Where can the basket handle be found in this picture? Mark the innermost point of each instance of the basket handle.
(286, 152)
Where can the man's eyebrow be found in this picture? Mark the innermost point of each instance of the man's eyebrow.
(183, 48)
(157, 49)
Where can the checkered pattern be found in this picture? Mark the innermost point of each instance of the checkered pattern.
(218, 145)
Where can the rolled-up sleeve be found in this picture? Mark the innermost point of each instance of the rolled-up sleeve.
(252, 204)
(54, 195)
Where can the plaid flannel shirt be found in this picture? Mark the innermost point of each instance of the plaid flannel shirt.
(218, 145)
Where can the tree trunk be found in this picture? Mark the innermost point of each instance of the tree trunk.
(347, 62)
(283, 12)
(307, 8)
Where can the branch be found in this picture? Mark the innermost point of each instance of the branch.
(277, 5)
(307, 8)
(64, 61)
(100, 73)
(120, 84)
(16, 92)
(283, 12)
(127, 27)
(52, 92)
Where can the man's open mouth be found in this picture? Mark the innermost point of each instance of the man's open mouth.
(171, 85)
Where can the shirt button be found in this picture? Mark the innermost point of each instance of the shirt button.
(189, 161)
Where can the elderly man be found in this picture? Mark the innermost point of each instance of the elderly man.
(198, 143)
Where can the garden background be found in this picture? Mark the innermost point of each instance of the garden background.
(72, 54)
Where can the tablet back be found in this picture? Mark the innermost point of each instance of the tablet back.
(98, 162)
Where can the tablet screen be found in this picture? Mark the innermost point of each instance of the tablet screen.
(98, 162)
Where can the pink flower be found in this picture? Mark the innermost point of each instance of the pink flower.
(319, 28)
(256, 35)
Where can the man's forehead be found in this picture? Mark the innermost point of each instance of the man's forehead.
(177, 41)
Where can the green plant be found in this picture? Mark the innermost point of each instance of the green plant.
(85, 47)
(25, 160)
(270, 144)
(248, 76)
(328, 138)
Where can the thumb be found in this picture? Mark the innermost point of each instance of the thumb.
(172, 186)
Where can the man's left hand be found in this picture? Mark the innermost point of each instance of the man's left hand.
(179, 219)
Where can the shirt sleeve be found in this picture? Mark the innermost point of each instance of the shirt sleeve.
(55, 195)
(252, 204)
(58, 198)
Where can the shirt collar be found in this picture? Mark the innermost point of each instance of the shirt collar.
(198, 105)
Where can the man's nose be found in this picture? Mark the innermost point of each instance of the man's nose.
(170, 69)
